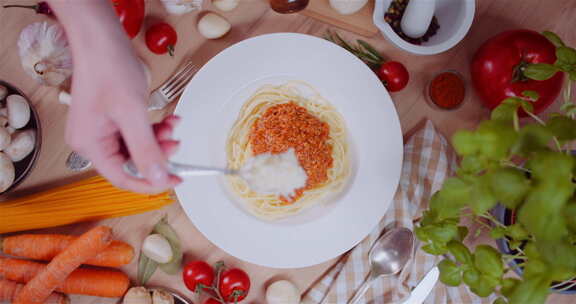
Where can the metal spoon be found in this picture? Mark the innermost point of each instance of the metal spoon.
(76, 162)
(182, 170)
(388, 256)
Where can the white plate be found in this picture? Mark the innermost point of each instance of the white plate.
(209, 107)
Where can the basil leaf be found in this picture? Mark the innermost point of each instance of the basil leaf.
(488, 261)
(564, 128)
(465, 143)
(482, 197)
(517, 232)
(531, 94)
(146, 268)
(531, 290)
(164, 229)
(435, 248)
(508, 286)
(497, 233)
(450, 273)
(460, 252)
(471, 277)
(499, 301)
(552, 37)
(484, 287)
(566, 55)
(540, 71)
(462, 233)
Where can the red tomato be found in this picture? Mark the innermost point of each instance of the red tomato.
(212, 301)
(161, 38)
(394, 75)
(131, 13)
(497, 68)
(234, 285)
(197, 272)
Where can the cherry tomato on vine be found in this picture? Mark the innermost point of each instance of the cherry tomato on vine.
(161, 38)
(197, 272)
(394, 75)
(234, 285)
(212, 301)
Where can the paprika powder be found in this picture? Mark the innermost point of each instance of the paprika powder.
(447, 90)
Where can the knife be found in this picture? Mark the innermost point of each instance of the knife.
(424, 287)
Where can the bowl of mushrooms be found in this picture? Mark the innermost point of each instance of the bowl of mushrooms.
(19, 136)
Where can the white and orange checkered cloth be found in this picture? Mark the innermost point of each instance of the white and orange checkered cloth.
(428, 160)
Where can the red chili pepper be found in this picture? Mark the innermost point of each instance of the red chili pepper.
(40, 8)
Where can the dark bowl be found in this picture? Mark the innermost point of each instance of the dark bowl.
(22, 168)
(508, 217)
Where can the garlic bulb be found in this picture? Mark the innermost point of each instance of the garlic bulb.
(181, 7)
(157, 248)
(65, 98)
(45, 53)
(347, 7)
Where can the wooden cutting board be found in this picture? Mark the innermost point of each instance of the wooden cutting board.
(359, 23)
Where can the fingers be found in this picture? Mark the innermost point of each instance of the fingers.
(144, 148)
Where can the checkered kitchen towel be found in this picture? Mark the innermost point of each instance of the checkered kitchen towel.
(428, 160)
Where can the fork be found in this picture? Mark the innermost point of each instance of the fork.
(172, 88)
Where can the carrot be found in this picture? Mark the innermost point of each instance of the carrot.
(9, 289)
(86, 281)
(80, 250)
(45, 247)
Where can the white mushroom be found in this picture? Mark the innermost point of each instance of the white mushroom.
(4, 138)
(3, 92)
(3, 121)
(10, 130)
(6, 172)
(18, 111)
(213, 26)
(4, 112)
(21, 145)
(225, 5)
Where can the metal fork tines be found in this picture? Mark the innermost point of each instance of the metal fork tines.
(173, 87)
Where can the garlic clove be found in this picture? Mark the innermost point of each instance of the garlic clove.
(162, 297)
(157, 248)
(282, 292)
(21, 145)
(226, 5)
(7, 172)
(65, 98)
(137, 295)
(213, 26)
(18, 111)
(3, 92)
(347, 7)
(181, 7)
(4, 138)
(45, 53)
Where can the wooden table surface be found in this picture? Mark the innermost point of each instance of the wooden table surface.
(251, 18)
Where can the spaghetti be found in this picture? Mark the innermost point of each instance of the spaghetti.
(278, 118)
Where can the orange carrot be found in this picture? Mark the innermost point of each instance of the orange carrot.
(45, 247)
(9, 289)
(80, 250)
(86, 281)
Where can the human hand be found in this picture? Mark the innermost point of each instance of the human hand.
(109, 109)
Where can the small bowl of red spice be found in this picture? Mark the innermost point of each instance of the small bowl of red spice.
(446, 90)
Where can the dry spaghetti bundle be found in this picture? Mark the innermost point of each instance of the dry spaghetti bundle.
(87, 200)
